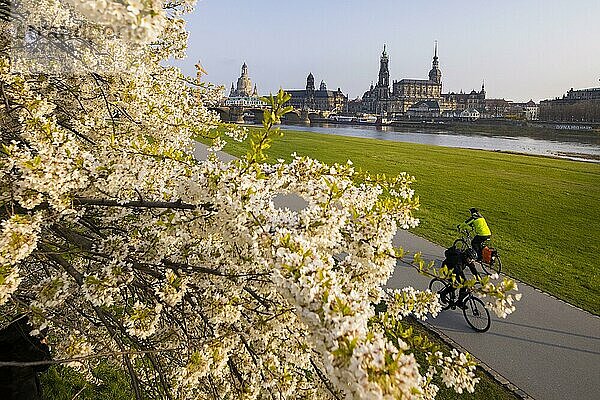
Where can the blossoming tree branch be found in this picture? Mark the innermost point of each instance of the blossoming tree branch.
(182, 272)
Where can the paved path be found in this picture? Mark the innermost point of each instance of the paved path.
(547, 348)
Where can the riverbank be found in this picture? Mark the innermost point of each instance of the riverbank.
(498, 127)
(584, 147)
(542, 211)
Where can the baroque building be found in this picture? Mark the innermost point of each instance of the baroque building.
(409, 92)
(243, 94)
(403, 94)
(377, 99)
(244, 85)
(473, 100)
(575, 106)
(320, 100)
(416, 97)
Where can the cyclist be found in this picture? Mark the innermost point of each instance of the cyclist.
(456, 260)
(482, 231)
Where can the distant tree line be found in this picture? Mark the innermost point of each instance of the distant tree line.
(579, 111)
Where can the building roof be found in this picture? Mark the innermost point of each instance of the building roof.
(431, 104)
(420, 81)
(316, 93)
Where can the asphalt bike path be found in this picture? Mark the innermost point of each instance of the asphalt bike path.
(545, 350)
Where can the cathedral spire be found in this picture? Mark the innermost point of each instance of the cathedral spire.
(436, 62)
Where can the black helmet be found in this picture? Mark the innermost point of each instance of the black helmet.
(474, 210)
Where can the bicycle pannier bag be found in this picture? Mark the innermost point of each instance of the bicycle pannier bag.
(452, 257)
(486, 255)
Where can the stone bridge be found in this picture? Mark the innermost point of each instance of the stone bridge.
(250, 115)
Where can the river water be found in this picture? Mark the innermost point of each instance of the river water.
(580, 146)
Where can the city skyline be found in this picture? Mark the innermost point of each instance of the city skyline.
(536, 51)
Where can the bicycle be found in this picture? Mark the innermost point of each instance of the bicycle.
(490, 259)
(474, 311)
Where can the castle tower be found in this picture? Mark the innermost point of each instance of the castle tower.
(435, 75)
(310, 82)
(323, 86)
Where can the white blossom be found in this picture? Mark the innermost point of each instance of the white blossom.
(118, 241)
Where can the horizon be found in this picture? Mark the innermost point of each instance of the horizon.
(537, 50)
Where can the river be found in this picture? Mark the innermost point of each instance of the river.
(580, 147)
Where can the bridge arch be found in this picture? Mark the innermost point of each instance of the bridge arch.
(224, 113)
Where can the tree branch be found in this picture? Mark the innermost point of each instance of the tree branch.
(83, 358)
(175, 205)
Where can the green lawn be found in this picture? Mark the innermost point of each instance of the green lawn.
(543, 212)
(487, 388)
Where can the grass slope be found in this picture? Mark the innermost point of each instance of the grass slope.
(487, 388)
(543, 212)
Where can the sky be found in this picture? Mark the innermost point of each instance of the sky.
(522, 49)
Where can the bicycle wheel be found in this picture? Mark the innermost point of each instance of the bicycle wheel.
(461, 244)
(494, 267)
(437, 285)
(477, 316)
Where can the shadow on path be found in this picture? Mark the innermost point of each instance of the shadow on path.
(548, 330)
(451, 324)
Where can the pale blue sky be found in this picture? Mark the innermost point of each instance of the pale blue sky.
(522, 48)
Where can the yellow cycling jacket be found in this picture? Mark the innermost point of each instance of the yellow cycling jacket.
(478, 224)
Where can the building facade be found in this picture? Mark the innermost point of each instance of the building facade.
(244, 85)
(424, 109)
(496, 108)
(244, 94)
(575, 106)
(466, 101)
(415, 97)
(397, 99)
(318, 100)
(410, 92)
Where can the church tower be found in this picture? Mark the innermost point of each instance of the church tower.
(310, 83)
(384, 72)
(435, 75)
(309, 102)
(383, 84)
